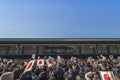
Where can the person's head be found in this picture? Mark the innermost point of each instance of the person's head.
(94, 71)
(52, 74)
(52, 78)
(77, 77)
(69, 77)
(118, 76)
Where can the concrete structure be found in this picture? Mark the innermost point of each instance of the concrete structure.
(58, 46)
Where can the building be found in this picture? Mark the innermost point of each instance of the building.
(25, 47)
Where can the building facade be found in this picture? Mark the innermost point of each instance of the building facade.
(59, 46)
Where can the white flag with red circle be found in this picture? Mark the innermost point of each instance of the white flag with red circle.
(50, 61)
(40, 62)
(59, 59)
(33, 56)
(107, 75)
(29, 66)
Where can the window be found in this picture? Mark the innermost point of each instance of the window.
(58, 50)
(102, 49)
(88, 49)
(113, 49)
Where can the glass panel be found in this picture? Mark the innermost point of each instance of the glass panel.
(102, 49)
(113, 49)
(58, 50)
(2, 50)
(21, 50)
(13, 50)
(88, 49)
(28, 50)
(119, 49)
(39, 51)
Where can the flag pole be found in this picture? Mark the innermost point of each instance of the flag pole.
(115, 66)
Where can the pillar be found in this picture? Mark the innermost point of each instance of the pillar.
(37, 50)
(21, 50)
(97, 49)
(17, 49)
(42, 50)
(75, 50)
(34, 49)
(7, 49)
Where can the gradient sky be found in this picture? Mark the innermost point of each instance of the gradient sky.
(60, 18)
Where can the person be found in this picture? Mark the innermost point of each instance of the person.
(89, 75)
(80, 77)
(59, 73)
(69, 77)
(28, 77)
(96, 75)
(33, 76)
(52, 76)
(43, 75)
(75, 71)
(68, 72)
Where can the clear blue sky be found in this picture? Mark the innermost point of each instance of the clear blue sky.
(60, 18)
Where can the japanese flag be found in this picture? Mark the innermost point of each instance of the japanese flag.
(90, 59)
(59, 60)
(29, 66)
(103, 58)
(50, 61)
(111, 56)
(107, 75)
(40, 62)
(33, 56)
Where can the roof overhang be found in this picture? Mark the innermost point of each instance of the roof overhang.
(59, 40)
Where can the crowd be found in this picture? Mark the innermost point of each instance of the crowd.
(64, 69)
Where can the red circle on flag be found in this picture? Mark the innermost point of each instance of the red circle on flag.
(40, 62)
(106, 77)
(29, 65)
(50, 61)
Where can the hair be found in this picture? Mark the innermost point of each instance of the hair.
(52, 78)
(77, 77)
(69, 77)
(118, 76)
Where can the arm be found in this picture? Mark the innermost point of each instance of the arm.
(87, 75)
